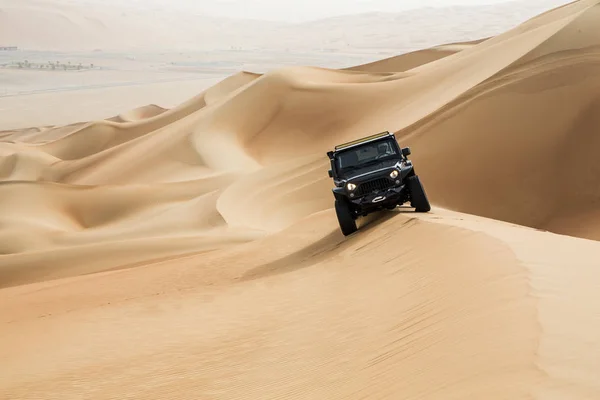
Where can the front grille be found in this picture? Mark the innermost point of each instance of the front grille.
(373, 186)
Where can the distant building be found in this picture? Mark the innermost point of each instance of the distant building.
(8, 48)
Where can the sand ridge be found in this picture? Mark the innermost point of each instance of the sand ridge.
(193, 252)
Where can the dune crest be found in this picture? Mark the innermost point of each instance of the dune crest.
(194, 252)
(413, 59)
(140, 113)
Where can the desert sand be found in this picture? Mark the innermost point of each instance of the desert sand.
(193, 252)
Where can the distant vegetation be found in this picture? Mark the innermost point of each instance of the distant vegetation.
(50, 65)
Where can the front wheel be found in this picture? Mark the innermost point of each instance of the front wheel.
(418, 198)
(345, 218)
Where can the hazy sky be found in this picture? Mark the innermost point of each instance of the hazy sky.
(300, 10)
(303, 10)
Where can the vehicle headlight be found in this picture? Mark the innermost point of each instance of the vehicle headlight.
(351, 186)
(394, 174)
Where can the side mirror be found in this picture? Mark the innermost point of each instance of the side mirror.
(406, 151)
(330, 173)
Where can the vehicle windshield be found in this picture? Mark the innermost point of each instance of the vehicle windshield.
(363, 156)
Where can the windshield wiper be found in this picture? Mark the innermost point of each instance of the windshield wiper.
(350, 168)
(365, 165)
(370, 163)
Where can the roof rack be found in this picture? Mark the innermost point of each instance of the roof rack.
(364, 140)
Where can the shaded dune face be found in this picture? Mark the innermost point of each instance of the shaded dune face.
(193, 252)
(521, 144)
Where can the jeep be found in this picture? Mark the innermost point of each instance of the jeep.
(372, 174)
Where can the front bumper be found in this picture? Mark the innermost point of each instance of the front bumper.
(383, 198)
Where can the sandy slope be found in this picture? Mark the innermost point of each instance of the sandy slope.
(413, 59)
(464, 308)
(193, 252)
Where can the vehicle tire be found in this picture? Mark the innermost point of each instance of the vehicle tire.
(345, 218)
(418, 198)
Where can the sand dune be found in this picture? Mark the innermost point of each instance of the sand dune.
(193, 252)
(413, 59)
(20, 163)
(472, 326)
(138, 114)
(553, 94)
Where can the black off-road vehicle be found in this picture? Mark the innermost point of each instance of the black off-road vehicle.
(371, 174)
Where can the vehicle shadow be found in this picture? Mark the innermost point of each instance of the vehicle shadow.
(373, 220)
(299, 259)
(322, 248)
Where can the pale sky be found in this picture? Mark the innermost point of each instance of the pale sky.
(301, 10)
